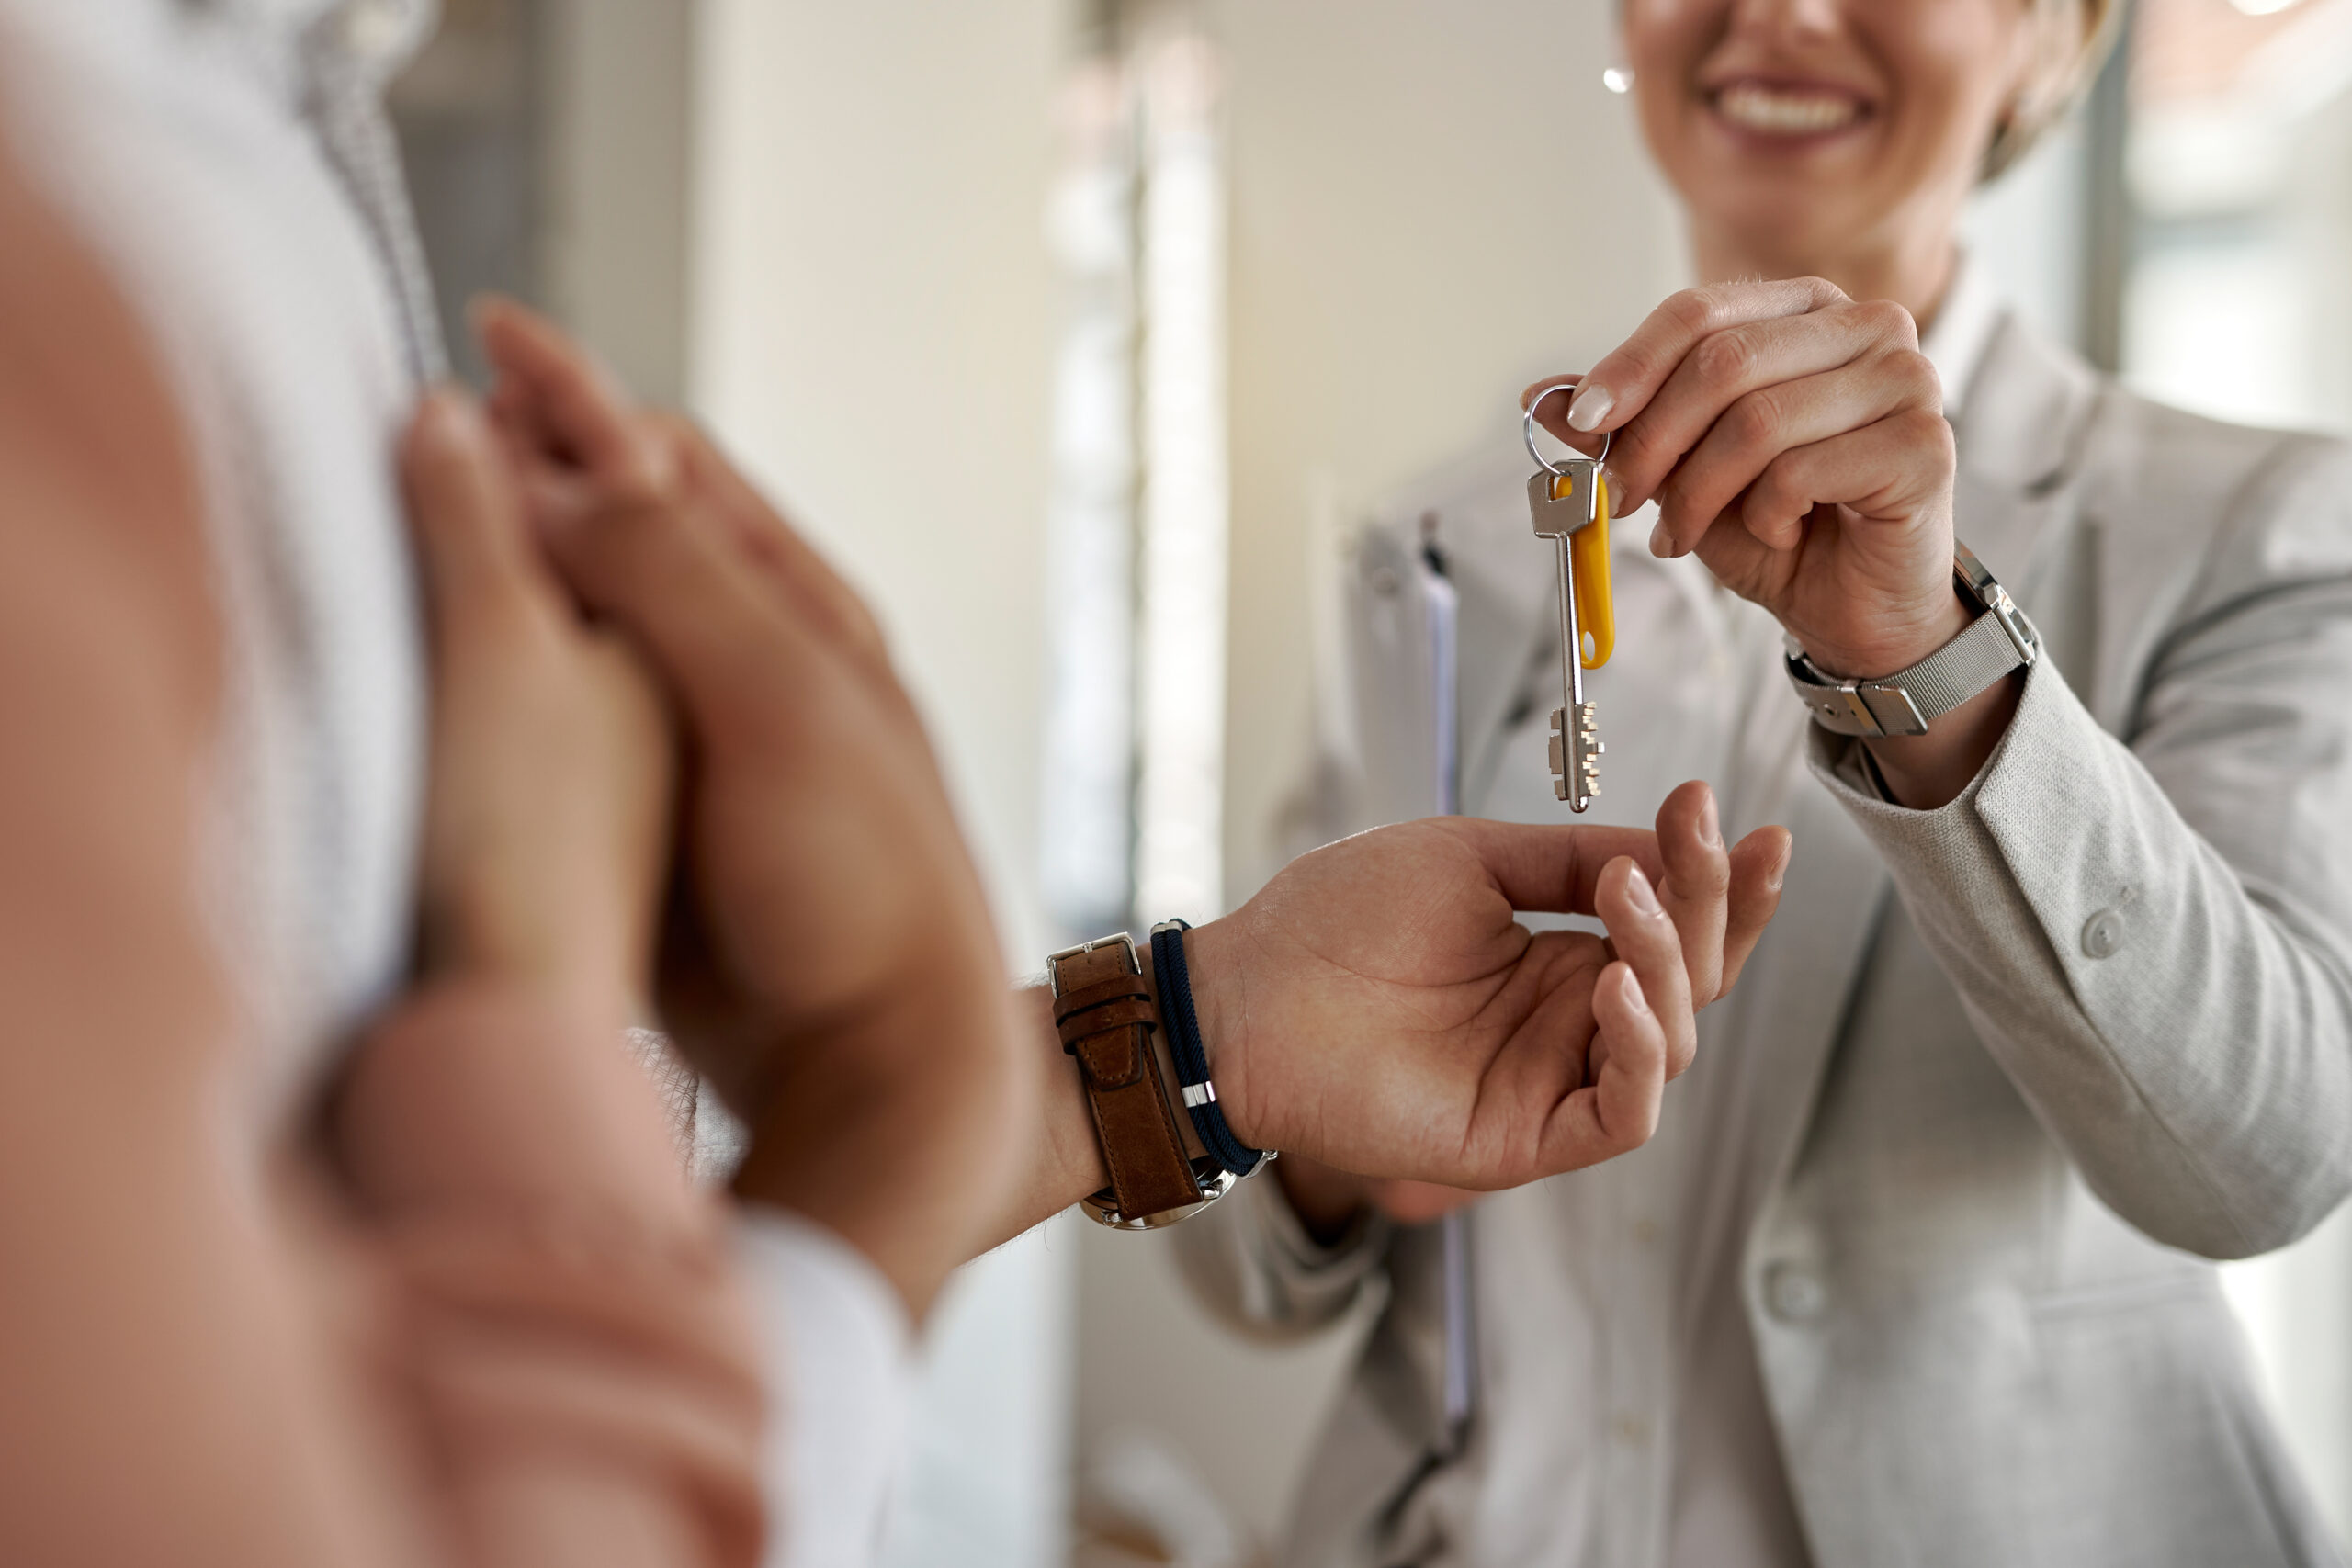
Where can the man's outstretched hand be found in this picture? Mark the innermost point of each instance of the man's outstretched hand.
(1379, 1015)
(1378, 1008)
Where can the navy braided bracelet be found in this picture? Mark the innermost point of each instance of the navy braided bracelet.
(1191, 1059)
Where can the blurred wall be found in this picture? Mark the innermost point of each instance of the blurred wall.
(1431, 204)
(618, 180)
(870, 326)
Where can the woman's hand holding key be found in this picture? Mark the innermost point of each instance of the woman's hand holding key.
(1794, 439)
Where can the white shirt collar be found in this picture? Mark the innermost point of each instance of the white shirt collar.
(1955, 346)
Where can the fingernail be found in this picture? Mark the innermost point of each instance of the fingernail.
(1634, 998)
(1620, 498)
(449, 420)
(1780, 871)
(1590, 407)
(1711, 832)
(1645, 897)
(1661, 543)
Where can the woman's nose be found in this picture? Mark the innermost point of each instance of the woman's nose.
(1782, 21)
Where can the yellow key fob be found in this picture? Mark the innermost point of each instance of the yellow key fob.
(1588, 562)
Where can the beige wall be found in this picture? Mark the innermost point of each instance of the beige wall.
(615, 179)
(1432, 203)
(870, 329)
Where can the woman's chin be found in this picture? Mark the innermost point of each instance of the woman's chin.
(1790, 231)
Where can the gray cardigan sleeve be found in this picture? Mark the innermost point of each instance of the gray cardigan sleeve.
(2155, 940)
(1251, 1263)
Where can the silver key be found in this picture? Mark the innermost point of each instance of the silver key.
(1576, 745)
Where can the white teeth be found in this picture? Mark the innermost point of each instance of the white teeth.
(1786, 113)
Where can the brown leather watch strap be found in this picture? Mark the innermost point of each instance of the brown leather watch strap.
(1105, 1018)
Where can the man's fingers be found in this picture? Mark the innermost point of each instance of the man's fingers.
(1760, 863)
(1617, 390)
(1644, 937)
(550, 384)
(1617, 1110)
(1552, 868)
(463, 508)
(1697, 883)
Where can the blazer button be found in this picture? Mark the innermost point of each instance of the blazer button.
(1794, 1294)
(2103, 933)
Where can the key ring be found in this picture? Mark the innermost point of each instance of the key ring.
(1527, 430)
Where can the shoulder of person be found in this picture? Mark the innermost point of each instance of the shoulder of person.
(2239, 509)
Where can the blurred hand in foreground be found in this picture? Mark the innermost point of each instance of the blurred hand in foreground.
(545, 837)
(829, 959)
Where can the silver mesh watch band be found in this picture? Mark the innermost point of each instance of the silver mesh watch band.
(2001, 639)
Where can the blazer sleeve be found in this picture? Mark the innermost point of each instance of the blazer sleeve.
(2154, 939)
(1252, 1265)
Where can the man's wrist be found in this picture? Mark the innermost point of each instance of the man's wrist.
(1213, 956)
(1073, 1166)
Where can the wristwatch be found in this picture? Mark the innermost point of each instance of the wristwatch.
(1998, 640)
(1104, 1015)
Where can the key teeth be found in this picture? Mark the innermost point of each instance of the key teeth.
(1586, 752)
(1576, 751)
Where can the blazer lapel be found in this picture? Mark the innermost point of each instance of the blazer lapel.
(2021, 434)
(1790, 1001)
(2023, 431)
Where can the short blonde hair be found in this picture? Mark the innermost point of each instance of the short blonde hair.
(2073, 39)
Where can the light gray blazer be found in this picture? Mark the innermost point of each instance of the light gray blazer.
(1982, 1136)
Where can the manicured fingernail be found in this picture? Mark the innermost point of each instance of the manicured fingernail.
(1780, 872)
(1591, 406)
(1711, 830)
(1662, 543)
(1645, 897)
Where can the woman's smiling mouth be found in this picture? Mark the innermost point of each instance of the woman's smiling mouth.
(1777, 110)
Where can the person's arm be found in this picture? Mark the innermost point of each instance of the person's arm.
(1359, 1007)
(172, 1396)
(2154, 938)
